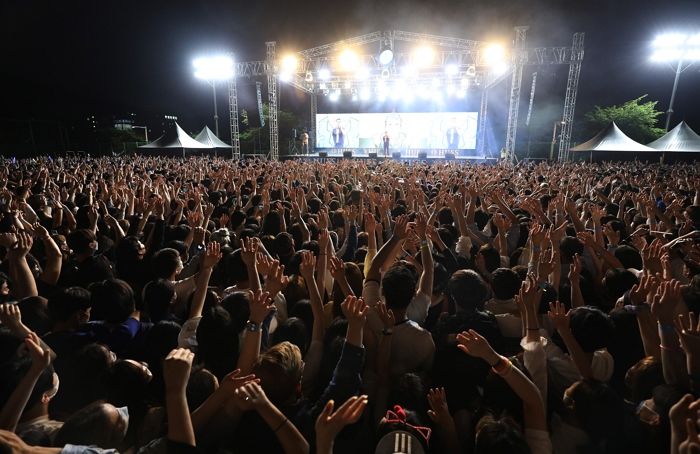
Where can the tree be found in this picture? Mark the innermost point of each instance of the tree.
(635, 118)
(256, 137)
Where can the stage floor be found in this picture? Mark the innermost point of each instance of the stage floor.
(360, 155)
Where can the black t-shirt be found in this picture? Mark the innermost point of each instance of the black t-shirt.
(93, 269)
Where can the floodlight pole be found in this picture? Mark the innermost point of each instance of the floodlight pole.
(669, 112)
(216, 110)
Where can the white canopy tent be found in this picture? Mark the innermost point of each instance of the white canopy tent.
(207, 137)
(176, 140)
(681, 138)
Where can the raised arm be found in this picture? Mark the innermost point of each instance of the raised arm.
(560, 319)
(54, 259)
(260, 306)
(425, 285)
(176, 373)
(306, 269)
(20, 273)
(401, 228)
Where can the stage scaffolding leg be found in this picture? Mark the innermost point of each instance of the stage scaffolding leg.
(483, 110)
(570, 100)
(233, 118)
(272, 96)
(314, 111)
(519, 56)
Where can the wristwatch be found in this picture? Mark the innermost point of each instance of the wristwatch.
(252, 327)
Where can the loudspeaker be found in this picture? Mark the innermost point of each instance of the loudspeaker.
(322, 154)
(396, 155)
(449, 155)
(373, 155)
(347, 153)
(422, 155)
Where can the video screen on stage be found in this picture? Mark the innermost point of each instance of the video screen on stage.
(451, 130)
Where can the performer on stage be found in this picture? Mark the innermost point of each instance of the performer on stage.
(452, 136)
(385, 141)
(304, 142)
(338, 134)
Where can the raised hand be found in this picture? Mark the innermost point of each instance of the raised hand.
(530, 294)
(665, 300)
(259, 305)
(323, 240)
(232, 381)
(421, 226)
(575, 269)
(249, 249)
(176, 370)
(212, 255)
(370, 223)
(355, 310)
(40, 358)
(401, 227)
(251, 396)
(330, 423)
(307, 268)
(337, 268)
(688, 329)
(386, 315)
(537, 233)
(559, 316)
(275, 280)
(22, 246)
(473, 344)
(439, 412)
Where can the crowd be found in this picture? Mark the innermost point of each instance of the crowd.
(205, 305)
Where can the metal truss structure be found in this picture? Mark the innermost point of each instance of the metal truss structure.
(570, 99)
(468, 57)
(233, 119)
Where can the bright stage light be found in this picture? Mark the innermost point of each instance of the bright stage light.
(451, 89)
(386, 55)
(423, 56)
(676, 47)
(322, 86)
(494, 54)
(348, 85)
(213, 68)
(309, 77)
(451, 70)
(435, 82)
(365, 93)
(500, 68)
(464, 83)
(335, 96)
(324, 74)
(423, 91)
(461, 94)
(285, 76)
(289, 63)
(362, 73)
(409, 71)
(348, 60)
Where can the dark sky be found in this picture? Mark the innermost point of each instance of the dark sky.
(70, 57)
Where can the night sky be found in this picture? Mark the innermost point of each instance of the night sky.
(67, 58)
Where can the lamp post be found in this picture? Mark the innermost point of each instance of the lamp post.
(683, 49)
(213, 69)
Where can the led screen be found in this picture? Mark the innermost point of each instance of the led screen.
(453, 130)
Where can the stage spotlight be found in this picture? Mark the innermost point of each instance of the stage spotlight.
(348, 60)
(386, 53)
(424, 91)
(362, 73)
(409, 71)
(385, 73)
(213, 68)
(451, 70)
(423, 56)
(309, 77)
(335, 96)
(365, 93)
(673, 47)
(461, 94)
(285, 76)
(324, 74)
(494, 54)
(289, 63)
(451, 89)
(348, 85)
(435, 82)
(500, 68)
(322, 86)
(464, 83)
(471, 71)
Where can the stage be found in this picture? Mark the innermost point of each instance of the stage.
(427, 155)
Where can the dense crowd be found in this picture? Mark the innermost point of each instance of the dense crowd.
(184, 305)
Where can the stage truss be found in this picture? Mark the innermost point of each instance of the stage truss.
(468, 59)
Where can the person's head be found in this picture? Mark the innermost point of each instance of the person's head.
(642, 378)
(492, 259)
(629, 256)
(499, 436)
(617, 281)
(398, 287)
(505, 283)
(35, 314)
(569, 247)
(82, 242)
(217, 341)
(70, 306)
(591, 327)
(279, 370)
(200, 386)
(468, 290)
(127, 383)
(112, 300)
(158, 296)
(599, 411)
(166, 263)
(292, 330)
(129, 251)
(99, 424)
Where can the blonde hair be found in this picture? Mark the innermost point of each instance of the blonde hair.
(280, 369)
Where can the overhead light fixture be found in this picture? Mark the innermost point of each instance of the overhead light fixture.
(348, 60)
(676, 47)
(452, 69)
(494, 54)
(386, 53)
(362, 73)
(385, 73)
(309, 77)
(324, 74)
(471, 71)
(213, 68)
(423, 56)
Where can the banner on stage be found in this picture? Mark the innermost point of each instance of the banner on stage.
(450, 130)
(258, 89)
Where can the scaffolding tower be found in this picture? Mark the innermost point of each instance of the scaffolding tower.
(570, 99)
(519, 59)
(233, 118)
(272, 97)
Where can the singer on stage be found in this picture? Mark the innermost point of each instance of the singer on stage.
(385, 141)
(305, 142)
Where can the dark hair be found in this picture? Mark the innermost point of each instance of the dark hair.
(35, 314)
(468, 290)
(500, 436)
(294, 331)
(80, 240)
(112, 301)
(591, 327)
(598, 409)
(629, 256)
(66, 302)
(165, 262)
(492, 259)
(569, 247)
(90, 426)
(399, 287)
(157, 297)
(642, 378)
(617, 281)
(505, 283)
(217, 341)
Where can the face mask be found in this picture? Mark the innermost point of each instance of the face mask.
(124, 415)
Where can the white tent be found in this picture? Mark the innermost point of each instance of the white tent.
(207, 137)
(681, 138)
(611, 139)
(176, 140)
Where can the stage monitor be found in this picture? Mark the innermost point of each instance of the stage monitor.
(437, 130)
